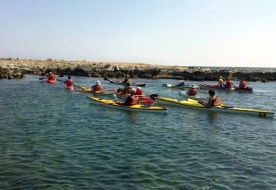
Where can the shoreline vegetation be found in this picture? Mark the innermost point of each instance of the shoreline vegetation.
(17, 68)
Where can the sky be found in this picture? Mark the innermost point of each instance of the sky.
(225, 33)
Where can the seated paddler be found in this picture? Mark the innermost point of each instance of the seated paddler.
(213, 100)
(131, 99)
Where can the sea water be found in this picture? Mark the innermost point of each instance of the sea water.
(56, 138)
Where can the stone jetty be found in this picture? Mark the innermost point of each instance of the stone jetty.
(17, 68)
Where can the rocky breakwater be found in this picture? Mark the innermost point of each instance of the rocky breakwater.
(15, 68)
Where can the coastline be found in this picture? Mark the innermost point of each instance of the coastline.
(17, 68)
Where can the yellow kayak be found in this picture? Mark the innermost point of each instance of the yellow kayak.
(137, 107)
(86, 89)
(190, 103)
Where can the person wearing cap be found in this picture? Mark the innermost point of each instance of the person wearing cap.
(138, 91)
(192, 91)
(51, 76)
(69, 82)
(131, 99)
(213, 100)
(229, 83)
(97, 87)
(220, 82)
(181, 83)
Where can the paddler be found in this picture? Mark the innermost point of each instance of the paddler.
(242, 84)
(181, 83)
(131, 99)
(220, 82)
(229, 83)
(213, 100)
(69, 82)
(51, 76)
(127, 89)
(192, 91)
(97, 87)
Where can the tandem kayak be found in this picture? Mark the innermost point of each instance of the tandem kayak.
(137, 107)
(196, 97)
(175, 86)
(121, 82)
(51, 81)
(190, 103)
(236, 89)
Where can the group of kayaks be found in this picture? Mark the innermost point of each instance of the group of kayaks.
(155, 103)
(209, 86)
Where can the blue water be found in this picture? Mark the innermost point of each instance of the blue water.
(55, 138)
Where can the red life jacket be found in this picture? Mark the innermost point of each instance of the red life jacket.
(69, 82)
(135, 100)
(51, 77)
(97, 88)
(139, 92)
(192, 92)
(243, 84)
(228, 84)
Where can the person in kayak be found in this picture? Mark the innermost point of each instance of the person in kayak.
(131, 99)
(242, 84)
(220, 82)
(69, 82)
(97, 87)
(192, 91)
(51, 76)
(213, 100)
(126, 80)
(181, 83)
(127, 89)
(229, 83)
(138, 91)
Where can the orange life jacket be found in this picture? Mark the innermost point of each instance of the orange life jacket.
(135, 100)
(217, 101)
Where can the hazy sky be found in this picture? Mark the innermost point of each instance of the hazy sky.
(167, 32)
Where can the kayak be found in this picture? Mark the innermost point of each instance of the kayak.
(190, 103)
(51, 81)
(236, 89)
(195, 97)
(142, 98)
(137, 107)
(86, 89)
(175, 86)
(69, 87)
(121, 82)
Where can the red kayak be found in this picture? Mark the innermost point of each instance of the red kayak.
(51, 81)
(236, 89)
(69, 87)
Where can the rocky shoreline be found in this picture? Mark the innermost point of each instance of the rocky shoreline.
(16, 68)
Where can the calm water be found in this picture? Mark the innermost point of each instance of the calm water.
(54, 138)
